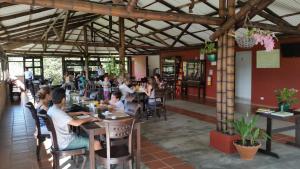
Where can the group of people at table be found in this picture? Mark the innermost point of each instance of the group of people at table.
(53, 102)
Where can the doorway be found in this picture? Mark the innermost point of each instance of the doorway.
(35, 64)
(243, 76)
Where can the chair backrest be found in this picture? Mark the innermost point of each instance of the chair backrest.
(50, 127)
(161, 93)
(132, 108)
(35, 117)
(119, 129)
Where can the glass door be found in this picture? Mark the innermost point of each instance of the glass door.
(35, 64)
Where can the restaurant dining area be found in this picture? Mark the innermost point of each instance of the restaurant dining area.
(149, 84)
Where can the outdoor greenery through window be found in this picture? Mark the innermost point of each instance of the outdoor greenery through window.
(53, 70)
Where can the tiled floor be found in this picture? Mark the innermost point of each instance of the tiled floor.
(179, 143)
(186, 135)
(17, 145)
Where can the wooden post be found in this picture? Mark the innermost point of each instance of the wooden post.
(230, 69)
(224, 82)
(219, 71)
(86, 52)
(122, 46)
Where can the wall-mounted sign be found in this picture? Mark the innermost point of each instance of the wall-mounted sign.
(268, 59)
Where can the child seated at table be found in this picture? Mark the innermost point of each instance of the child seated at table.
(116, 101)
(66, 139)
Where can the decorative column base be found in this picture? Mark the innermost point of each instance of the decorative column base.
(223, 142)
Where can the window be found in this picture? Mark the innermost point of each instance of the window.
(53, 70)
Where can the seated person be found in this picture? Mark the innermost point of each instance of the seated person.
(150, 92)
(61, 120)
(158, 80)
(125, 90)
(116, 101)
(44, 101)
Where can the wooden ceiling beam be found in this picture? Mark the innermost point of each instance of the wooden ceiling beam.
(125, 34)
(275, 28)
(30, 22)
(17, 45)
(64, 27)
(43, 28)
(5, 4)
(233, 20)
(180, 35)
(163, 33)
(52, 25)
(131, 5)
(256, 9)
(17, 15)
(120, 11)
(44, 24)
(135, 31)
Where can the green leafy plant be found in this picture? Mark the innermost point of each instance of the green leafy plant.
(209, 47)
(250, 135)
(287, 96)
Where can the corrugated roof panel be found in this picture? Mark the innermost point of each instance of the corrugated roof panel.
(293, 20)
(190, 39)
(196, 27)
(204, 35)
(173, 32)
(177, 2)
(157, 7)
(10, 10)
(143, 3)
(200, 9)
(283, 7)
(157, 24)
(257, 18)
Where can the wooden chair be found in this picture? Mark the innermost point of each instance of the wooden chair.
(133, 109)
(40, 137)
(56, 153)
(117, 153)
(158, 108)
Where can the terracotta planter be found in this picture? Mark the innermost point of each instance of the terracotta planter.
(246, 152)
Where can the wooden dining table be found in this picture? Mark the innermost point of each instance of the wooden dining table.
(98, 128)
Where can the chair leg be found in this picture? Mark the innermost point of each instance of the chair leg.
(130, 164)
(76, 161)
(55, 162)
(83, 162)
(165, 113)
(38, 149)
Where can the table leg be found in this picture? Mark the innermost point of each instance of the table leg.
(267, 151)
(92, 150)
(138, 144)
(297, 132)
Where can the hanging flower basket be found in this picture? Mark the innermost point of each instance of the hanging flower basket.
(245, 41)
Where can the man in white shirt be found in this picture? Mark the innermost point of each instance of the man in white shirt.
(100, 72)
(125, 90)
(66, 139)
(28, 77)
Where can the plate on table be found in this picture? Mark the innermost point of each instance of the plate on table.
(83, 116)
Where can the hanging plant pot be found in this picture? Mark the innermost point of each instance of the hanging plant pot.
(245, 41)
(212, 57)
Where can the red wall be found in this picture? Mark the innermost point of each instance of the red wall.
(264, 81)
(195, 54)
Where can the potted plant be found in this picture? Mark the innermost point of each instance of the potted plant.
(286, 98)
(249, 143)
(210, 50)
